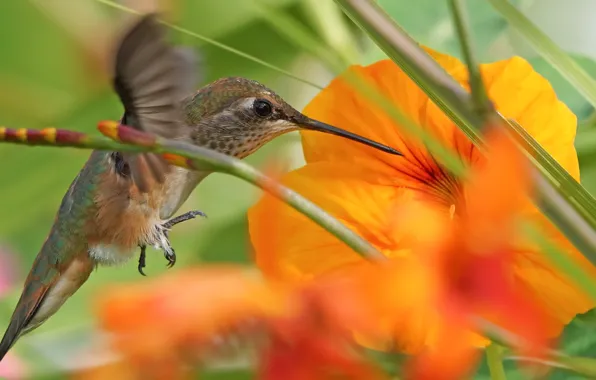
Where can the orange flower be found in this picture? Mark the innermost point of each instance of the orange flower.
(363, 187)
(159, 324)
(314, 341)
(199, 315)
(469, 262)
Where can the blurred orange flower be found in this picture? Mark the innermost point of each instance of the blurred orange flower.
(366, 189)
(468, 263)
(165, 328)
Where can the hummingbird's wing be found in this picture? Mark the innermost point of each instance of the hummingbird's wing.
(151, 79)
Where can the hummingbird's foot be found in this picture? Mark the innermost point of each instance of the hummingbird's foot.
(142, 260)
(164, 229)
(170, 254)
(183, 218)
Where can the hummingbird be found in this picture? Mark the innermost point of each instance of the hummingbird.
(120, 202)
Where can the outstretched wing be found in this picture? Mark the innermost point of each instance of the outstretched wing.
(151, 79)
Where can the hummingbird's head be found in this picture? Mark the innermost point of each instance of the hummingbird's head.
(236, 116)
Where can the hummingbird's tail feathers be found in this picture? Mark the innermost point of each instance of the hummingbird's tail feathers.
(46, 289)
(9, 339)
(21, 317)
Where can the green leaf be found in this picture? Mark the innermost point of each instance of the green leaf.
(578, 340)
(579, 336)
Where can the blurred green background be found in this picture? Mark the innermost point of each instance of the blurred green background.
(49, 77)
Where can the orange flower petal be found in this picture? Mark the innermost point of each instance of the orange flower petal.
(452, 357)
(306, 248)
(497, 192)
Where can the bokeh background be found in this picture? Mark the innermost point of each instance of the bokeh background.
(49, 76)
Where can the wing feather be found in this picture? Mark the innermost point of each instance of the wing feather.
(152, 78)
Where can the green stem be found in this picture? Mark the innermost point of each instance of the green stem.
(482, 103)
(495, 362)
(231, 165)
(207, 159)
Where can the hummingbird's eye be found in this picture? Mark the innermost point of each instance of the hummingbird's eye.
(262, 108)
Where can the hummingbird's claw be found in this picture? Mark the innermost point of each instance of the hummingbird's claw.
(142, 260)
(171, 257)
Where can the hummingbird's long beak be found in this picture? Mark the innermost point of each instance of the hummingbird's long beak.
(314, 125)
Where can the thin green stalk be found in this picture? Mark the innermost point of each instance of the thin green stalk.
(203, 158)
(504, 337)
(575, 228)
(560, 60)
(230, 165)
(583, 366)
(495, 362)
(217, 44)
(482, 103)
